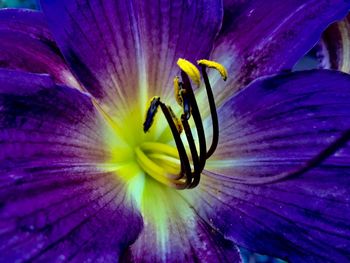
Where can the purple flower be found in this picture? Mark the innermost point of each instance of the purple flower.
(80, 179)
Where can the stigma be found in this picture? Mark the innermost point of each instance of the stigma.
(180, 166)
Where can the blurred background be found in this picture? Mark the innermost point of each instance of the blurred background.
(307, 62)
(18, 3)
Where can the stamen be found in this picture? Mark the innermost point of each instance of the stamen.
(151, 168)
(182, 98)
(195, 159)
(170, 164)
(177, 91)
(187, 108)
(185, 163)
(190, 69)
(163, 163)
(213, 112)
(151, 112)
(212, 64)
(197, 120)
(161, 148)
(176, 121)
(214, 116)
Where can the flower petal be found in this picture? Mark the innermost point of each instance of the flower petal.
(281, 120)
(125, 50)
(334, 48)
(266, 37)
(26, 44)
(302, 219)
(56, 202)
(173, 232)
(258, 191)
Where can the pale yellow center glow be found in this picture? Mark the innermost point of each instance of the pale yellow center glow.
(148, 163)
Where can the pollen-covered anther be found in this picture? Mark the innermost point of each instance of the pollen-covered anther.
(182, 170)
(190, 69)
(152, 109)
(215, 65)
(178, 91)
(176, 120)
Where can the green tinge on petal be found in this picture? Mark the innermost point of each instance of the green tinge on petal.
(335, 46)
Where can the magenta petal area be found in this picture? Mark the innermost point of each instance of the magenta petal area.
(126, 49)
(26, 44)
(260, 37)
(56, 203)
(279, 183)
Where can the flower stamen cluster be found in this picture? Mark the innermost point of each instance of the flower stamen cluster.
(191, 167)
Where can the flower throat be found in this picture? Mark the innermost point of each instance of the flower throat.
(173, 166)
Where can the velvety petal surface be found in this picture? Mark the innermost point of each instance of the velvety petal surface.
(174, 232)
(125, 52)
(257, 189)
(57, 202)
(26, 44)
(290, 117)
(265, 37)
(334, 47)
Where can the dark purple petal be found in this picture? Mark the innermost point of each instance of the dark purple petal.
(173, 232)
(256, 191)
(189, 243)
(334, 47)
(26, 44)
(125, 52)
(266, 37)
(302, 219)
(56, 201)
(280, 122)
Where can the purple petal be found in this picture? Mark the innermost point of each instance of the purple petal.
(26, 44)
(256, 190)
(334, 48)
(266, 37)
(283, 121)
(173, 232)
(303, 219)
(123, 51)
(57, 203)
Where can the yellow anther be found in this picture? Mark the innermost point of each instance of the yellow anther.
(176, 121)
(177, 91)
(190, 69)
(212, 64)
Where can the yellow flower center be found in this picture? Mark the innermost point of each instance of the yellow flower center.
(162, 147)
(168, 151)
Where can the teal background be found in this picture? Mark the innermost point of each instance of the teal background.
(18, 3)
